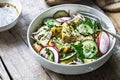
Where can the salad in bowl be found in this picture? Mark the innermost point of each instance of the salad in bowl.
(71, 39)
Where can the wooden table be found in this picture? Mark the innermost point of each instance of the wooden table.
(17, 63)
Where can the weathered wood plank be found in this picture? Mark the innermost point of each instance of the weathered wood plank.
(55, 76)
(31, 8)
(115, 17)
(18, 59)
(20, 68)
(3, 73)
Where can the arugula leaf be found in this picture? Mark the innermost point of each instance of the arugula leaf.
(89, 22)
(97, 25)
(92, 23)
(79, 50)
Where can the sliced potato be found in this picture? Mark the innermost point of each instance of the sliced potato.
(45, 39)
(40, 32)
(56, 31)
(64, 31)
(37, 47)
(64, 48)
(51, 43)
(67, 31)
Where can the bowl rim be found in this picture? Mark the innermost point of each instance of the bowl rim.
(78, 65)
(19, 12)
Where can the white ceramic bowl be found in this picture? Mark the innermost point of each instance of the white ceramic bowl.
(19, 8)
(71, 69)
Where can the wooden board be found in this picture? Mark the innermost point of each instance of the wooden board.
(23, 66)
(115, 17)
(18, 59)
(3, 73)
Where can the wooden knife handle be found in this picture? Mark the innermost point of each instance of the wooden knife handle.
(54, 2)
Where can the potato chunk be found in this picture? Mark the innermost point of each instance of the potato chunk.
(56, 31)
(67, 31)
(45, 39)
(37, 47)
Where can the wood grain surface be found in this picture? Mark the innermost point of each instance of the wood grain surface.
(3, 73)
(109, 5)
(20, 63)
(56, 2)
(115, 17)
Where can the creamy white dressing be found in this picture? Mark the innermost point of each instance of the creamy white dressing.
(8, 13)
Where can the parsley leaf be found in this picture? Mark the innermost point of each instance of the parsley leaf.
(79, 50)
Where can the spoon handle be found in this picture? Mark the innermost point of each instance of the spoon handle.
(115, 35)
(118, 36)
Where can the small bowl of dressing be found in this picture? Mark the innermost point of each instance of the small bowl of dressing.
(9, 13)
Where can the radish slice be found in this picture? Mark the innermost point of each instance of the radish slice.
(103, 42)
(63, 19)
(54, 53)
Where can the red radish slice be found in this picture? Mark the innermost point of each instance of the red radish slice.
(103, 42)
(55, 53)
(63, 19)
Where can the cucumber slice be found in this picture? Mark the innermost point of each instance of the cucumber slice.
(50, 22)
(68, 57)
(60, 13)
(90, 48)
(85, 29)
